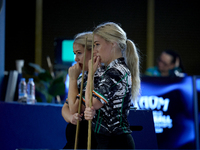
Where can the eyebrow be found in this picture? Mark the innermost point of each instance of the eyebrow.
(77, 51)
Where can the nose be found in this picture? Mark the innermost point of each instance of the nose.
(95, 52)
(76, 59)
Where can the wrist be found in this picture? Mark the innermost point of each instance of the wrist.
(73, 80)
(71, 119)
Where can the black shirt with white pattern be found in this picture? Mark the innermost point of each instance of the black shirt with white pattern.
(112, 87)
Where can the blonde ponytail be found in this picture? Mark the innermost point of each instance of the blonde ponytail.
(132, 60)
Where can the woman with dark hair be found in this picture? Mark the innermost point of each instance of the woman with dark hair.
(169, 64)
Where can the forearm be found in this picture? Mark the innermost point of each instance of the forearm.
(69, 117)
(66, 113)
(95, 102)
(72, 93)
(88, 90)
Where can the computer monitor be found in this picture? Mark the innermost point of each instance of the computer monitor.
(64, 56)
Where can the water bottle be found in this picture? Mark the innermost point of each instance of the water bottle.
(31, 92)
(22, 90)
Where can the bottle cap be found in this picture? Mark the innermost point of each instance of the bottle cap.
(30, 79)
(22, 79)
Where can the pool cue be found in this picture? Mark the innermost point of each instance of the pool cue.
(90, 104)
(80, 100)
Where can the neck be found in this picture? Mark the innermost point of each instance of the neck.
(114, 56)
(164, 74)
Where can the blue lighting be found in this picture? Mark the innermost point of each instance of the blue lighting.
(198, 85)
(172, 104)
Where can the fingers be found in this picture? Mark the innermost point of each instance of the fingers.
(97, 59)
(76, 117)
(77, 66)
(74, 71)
(89, 113)
(96, 63)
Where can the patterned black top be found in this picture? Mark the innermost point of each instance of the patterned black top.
(84, 86)
(113, 88)
(79, 80)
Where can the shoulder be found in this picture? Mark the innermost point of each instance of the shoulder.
(118, 70)
(152, 68)
(120, 67)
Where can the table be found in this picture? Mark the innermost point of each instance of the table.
(41, 126)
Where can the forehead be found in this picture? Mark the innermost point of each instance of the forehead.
(166, 57)
(98, 38)
(78, 47)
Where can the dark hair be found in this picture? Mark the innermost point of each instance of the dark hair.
(175, 55)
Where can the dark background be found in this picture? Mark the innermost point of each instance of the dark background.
(176, 27)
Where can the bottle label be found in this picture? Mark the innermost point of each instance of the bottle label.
(31, 91)
(22, 90)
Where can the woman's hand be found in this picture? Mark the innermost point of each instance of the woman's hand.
(89, 113)
(74, 71)
(96, 63)
(75, 117)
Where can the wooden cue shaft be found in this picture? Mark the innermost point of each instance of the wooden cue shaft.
(80, 100)
(90, 104)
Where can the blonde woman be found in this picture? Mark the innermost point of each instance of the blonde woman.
(113, 88)
(69, 109)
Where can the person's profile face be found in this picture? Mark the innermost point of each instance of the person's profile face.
(103, 49)
(78, 50)
(165, 62)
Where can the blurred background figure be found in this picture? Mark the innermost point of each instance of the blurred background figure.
(169, 64)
